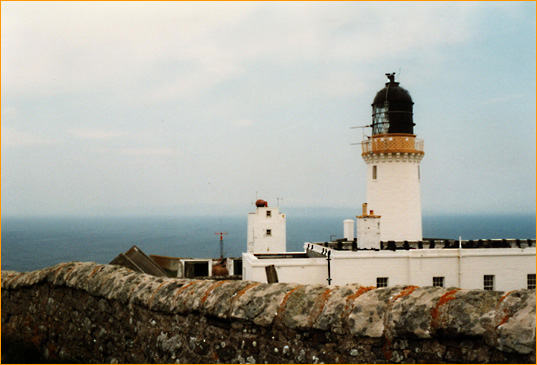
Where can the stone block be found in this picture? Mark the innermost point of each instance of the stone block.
(262, 303)
(513, 326)
(369, 309)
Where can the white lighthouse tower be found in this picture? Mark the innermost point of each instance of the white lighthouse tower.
(266, 229)
(393, 155)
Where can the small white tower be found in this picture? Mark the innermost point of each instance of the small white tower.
(266, 229)
(393, 155)
(368, 229)
(348, 229)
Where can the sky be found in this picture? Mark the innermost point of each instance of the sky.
(134, 108)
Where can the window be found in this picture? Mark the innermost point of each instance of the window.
(438, 281)
(269, 232)
(488, 282)
(531, 281)
(382, 282)
(374, 172)
(269, 213)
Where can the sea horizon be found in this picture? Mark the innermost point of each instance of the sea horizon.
(36, 242)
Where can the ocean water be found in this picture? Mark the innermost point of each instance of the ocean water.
(35, 243)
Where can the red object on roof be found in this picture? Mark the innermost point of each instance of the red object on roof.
(261, 203)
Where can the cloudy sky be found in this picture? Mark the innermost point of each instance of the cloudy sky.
(174, 107)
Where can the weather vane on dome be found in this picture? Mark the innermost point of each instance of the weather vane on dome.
(391, 77)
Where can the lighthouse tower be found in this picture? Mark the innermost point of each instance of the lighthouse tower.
(266, 229)
(393, 155)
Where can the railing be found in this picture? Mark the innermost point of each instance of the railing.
(391, 143)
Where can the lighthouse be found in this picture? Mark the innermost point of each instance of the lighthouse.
(392, 155)
(266, 229)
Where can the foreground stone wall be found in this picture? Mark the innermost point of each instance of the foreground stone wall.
(86, 312)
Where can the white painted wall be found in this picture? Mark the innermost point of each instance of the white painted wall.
(368, 232)
(403, 267)
(509, 268)
(259, 223)
(295, 270)
(395, 194)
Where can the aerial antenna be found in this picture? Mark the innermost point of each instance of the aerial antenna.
(221, 243)
(399, 74)
(363, 132)
(278, 201)
(256, 198)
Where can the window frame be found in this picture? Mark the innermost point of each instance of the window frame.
(439, 281)
(530, 281)
(489, 282)
(382, 282)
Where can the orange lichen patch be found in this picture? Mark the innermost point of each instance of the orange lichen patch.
(362, 290)
(150, 302)
(14, 278)
(387, 332)
(94, 271)
(108, 278)
(210, 290)
(444, 299)
(405, 292)
(285, 299)
(133, 288)
(181, 289)
(503, 298)
(318, 306)
(243, 291)
(352, 297)
(505, 311)
(60, 268)
(69, 272)
(504, 319)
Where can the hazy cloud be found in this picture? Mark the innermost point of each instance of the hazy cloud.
(96, 133)
(149, 152)
(14, 138)
(260, 96)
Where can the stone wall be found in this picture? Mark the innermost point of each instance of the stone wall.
(86, 312)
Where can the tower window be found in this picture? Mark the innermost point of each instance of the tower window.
(531, 281)
(374, 172)
(382, 282)
(488, 282)
(438, 281)
(269, 232)
(269, 213)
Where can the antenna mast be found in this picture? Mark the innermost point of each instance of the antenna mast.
(364, 136)
(221, 243)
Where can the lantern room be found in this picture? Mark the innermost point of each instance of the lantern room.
(392, 109)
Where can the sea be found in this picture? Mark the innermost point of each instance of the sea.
(32, 243)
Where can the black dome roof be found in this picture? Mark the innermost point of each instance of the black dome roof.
(392, 92)
(392, 109)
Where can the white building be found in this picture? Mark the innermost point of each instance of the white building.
(266, 229)
(492, 268)
(389, 248)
